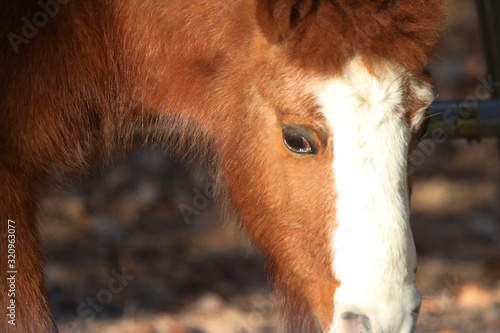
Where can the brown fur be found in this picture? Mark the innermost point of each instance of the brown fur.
(215, 79)
(403, 31)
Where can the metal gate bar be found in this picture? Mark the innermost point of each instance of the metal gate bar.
(475, 119)
(466, 119)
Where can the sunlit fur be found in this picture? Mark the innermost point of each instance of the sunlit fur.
(212, 78)
(374, 255)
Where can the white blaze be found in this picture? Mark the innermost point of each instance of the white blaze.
(374, 253)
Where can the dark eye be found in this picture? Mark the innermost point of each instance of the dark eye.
(423, 129)
(297, 142)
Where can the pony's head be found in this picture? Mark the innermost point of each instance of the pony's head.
(317, 165)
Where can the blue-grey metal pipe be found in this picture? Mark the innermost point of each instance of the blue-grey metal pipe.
(466, 119)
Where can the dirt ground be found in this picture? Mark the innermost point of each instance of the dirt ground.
(200, 274)
(122, 257)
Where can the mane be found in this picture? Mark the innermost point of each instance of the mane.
(403, 32)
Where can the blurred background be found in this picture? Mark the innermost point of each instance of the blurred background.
(140, 246)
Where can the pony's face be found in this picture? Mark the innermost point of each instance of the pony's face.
(322, 184)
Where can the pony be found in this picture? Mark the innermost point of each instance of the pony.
(306, 110)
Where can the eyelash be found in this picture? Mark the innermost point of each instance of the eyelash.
(422, 131)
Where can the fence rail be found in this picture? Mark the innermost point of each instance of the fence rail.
(471, 120)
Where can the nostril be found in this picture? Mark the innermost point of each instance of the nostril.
(356, 320)
(415, 312)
